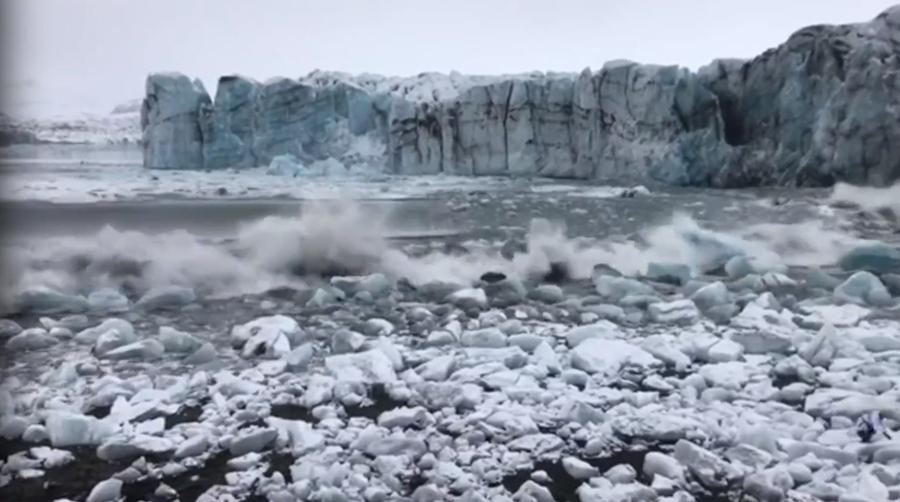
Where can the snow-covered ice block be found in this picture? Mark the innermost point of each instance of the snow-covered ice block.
(73, 429)
(166, 297)
(607, 357)
(371, 366)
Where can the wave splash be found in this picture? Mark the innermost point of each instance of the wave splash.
(342, 238)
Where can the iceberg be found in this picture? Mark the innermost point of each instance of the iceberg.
(819, 108)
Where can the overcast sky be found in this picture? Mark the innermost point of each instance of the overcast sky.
(91, 54)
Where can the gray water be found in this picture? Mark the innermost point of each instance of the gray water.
(175, 228)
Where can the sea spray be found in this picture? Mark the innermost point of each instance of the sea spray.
(340, 237)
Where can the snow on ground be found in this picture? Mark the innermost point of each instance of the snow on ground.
(367, 389)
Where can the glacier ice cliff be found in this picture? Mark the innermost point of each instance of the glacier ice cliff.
(823, 106)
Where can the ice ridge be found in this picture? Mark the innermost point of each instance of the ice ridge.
(817, 109)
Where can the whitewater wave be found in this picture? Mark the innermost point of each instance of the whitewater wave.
(868, 198)
(343, 238)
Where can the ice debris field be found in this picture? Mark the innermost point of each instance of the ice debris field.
(746, 381)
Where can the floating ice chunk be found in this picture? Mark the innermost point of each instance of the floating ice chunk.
(469, 397)
(621, 474)
(111, 340)
(299, 358)
(797, 449)
(165, 492)
(728, 375)
(66, 374)
(546, 356)
(278, 323)
(119, 449)
(376, 327)
(90, 335)
(72, 322)
(547, 293)
(178, 341)
(526, 341)
(819, 351)
(285, 165)
(863, 288)
(35, 433)
(389, 349)
(325, 296)
(191, 447)
(869, 486)
(709, 250)
(51, 457)
(437, 369)
(532, 491)
(768, 484)
(607, 357)
(666, 349)
(9, 329)
(31, 339)
(763, 331)
(72, 429)
(660, 464)
(740, 266)
(475, 297)
(301, 436)
(108, 300)
(840, 316)
(616, 288)
(61, 333)
(252, 441)
(879, 342)
(371, 366)
(670, 273)
(579, 469)
(377, 285)
(230, 385)
(144, 349)
(677, 312)
(601, 329)
(12, 427)
(268, 342)
(711, 295)
(394, 446)
(48, 301)
(725, 351)
(817, 278)
(485, 338)
(538, 444)
(205, 354)
(166, 297)
(774, 280)
(151, 427)
(106, 491)
(404, 417)
(711, 470)
(345, 341)
(879, 258)
(319, 390)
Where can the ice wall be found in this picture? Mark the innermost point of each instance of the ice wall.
(821, 107)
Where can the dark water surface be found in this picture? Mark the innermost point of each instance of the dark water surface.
(199, 217)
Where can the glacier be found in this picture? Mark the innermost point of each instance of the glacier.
(820, 108)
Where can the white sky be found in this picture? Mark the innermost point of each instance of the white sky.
(92, 54)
